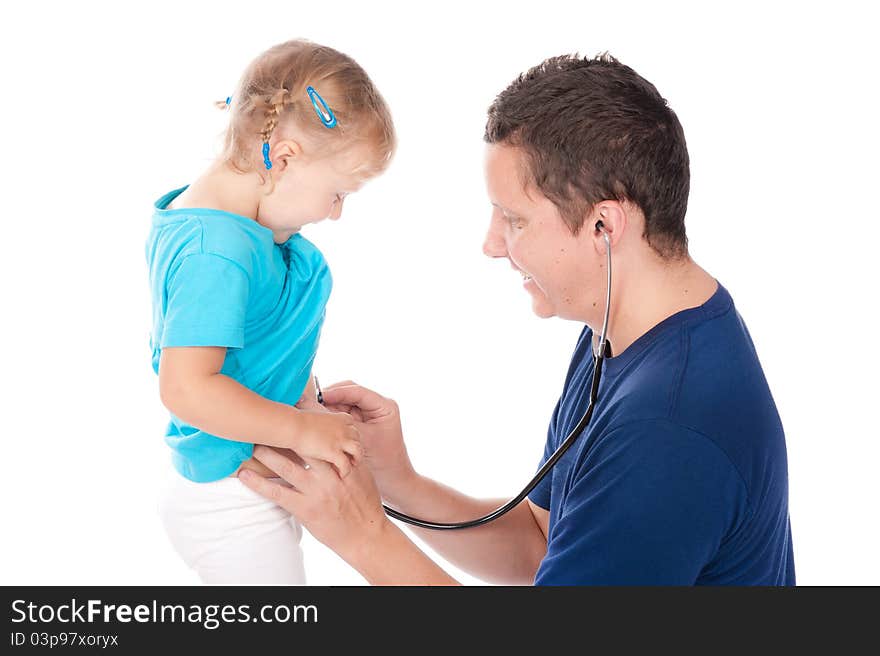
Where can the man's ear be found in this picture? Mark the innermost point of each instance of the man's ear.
(608, 216)
(284, 153)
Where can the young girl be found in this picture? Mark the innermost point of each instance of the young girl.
(239, 298)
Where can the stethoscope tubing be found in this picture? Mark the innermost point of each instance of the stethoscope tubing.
(560, 451)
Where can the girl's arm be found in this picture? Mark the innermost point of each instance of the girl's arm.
(193, 389)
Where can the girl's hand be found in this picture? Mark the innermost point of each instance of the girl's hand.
(328, 436)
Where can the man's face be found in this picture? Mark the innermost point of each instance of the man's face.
(559, 269)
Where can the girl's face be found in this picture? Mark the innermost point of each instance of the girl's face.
(307, 190)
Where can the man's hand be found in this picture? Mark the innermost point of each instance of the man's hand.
(377, 419)
(346, 514)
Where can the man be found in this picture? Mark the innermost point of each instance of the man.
(681, 475)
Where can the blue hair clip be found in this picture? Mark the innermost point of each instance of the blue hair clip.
(266, 159)
(228, 100)
(323, 111)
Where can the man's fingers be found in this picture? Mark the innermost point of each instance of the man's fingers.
(339, 407)
(342, 383)
(286, 468)
(352, 410)
(343, 465)
(353, 395)
(318, 466)
(275, 492)
(355, 449)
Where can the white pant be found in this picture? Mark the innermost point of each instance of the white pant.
(230, 534)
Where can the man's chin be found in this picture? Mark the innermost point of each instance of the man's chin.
(542, 310)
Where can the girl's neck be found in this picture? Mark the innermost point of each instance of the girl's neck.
(221, 188)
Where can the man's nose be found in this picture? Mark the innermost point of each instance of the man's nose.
(493, 244)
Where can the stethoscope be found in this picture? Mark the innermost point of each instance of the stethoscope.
(598, 359)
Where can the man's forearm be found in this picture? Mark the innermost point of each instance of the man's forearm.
(507, 550)
(391, 558)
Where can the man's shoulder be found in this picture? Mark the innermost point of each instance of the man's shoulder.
(696, 357)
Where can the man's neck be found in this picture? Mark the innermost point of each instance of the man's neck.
(660, 290)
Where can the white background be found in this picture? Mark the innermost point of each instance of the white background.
(106, 107)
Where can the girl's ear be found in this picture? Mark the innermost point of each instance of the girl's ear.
(284, 153)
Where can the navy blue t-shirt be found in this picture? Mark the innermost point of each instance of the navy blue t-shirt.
(681, 477)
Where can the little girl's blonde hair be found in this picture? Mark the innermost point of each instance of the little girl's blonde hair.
(272, 91)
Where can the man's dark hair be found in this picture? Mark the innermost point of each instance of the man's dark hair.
(592, 129)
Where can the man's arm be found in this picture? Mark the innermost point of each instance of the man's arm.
(346, 515)
(392, 559)
(507, 550)
(542, 517)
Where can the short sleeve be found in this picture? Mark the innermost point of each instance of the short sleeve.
(650, 505)
(207, 298)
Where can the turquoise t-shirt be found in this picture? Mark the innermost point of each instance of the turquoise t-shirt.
(219, 279)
